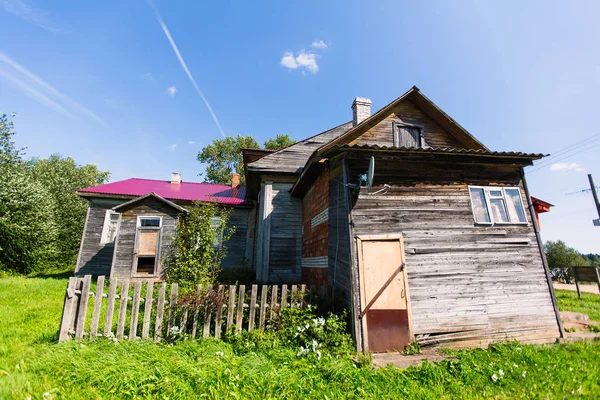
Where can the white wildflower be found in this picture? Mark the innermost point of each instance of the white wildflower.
(515, 366)
(518, 349)
(219, 353)
(494, 377)
(524, 374)
(500, 372)
(570, 369)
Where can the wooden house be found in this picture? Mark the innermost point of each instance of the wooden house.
(425, 234)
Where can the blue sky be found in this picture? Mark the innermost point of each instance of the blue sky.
(100, 81)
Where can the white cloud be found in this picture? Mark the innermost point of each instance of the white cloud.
(31, 15)
(567, 167)
(43, 91)
(173, 147)
(149, 76)
(192, 142)
(303, 61)
(319, 44)
(172, 90)
(184, 66)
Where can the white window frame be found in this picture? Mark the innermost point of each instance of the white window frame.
(103, 238)
(140, 218)
(512, 219)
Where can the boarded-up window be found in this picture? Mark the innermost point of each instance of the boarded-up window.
(147, 245)
(408, 136)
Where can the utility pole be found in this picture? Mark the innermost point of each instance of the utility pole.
(593, 188)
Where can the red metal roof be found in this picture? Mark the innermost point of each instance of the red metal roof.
(186, 191)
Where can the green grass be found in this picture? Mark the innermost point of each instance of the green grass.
(32, 364)
(589, 303)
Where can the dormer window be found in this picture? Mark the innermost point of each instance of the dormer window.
(408, 135)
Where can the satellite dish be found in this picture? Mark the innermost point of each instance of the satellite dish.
(370, 174)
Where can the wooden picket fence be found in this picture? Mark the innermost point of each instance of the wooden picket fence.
(211, 312)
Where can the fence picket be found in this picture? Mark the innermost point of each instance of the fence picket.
(82, 308)
(207, 312)
(196, 311)
(240, 307)
(123, 298)
(160, 309)
(172, 306)
(219, 313)
(67, 315)
(251, 316)
(274, 304)
(294, 295)
(302, 296)
(97, 306)
(284, 290)
(230, 307)
(135, 310)
(147, 310)
(263, 308)
(110, 307)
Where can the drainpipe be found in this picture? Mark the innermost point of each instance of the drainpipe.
(543, 254)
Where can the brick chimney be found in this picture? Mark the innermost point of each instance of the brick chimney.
(361, 110)
(175, 178)
(235, 180)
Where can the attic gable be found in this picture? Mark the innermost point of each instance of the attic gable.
(413, 109)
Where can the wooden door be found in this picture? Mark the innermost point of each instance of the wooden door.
(385, 302)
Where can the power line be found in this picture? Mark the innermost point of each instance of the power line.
(541, 166)
(571, 148)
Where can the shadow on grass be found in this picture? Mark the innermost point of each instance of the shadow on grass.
(53, 274)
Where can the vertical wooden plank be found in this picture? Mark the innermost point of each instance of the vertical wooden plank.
(147, 310)
(312, 295)
(576, 281)
(67, 314)
(230, 307)
(160, 309)
(196, 311)
(240, 307)
(303, 296)
(135, 309)
(97, 306)
(284, 292)
(274, 302)
(252, 314)
(123, 298)
(110, 307)
(184, 318)
(207, 312)
(219, 312)
(75, 309)
(263, 307)
(172, 306)
(294, 295)
(83, 304)
(323, 296)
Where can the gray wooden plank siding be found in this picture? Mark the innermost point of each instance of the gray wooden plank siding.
(123, 260)
(485, 281)
(95, 258)
(293, 158)
(236, 245)
(338, 248)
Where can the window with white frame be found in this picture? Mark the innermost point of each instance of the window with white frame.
(153, 222)
(216, 224)
(109, 230)
(497, 205)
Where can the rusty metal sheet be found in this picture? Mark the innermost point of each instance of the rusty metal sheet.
(147, 243)
(388, 330)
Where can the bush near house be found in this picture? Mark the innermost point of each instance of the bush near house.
(259, 365)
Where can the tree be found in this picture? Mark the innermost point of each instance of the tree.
(192, 257)
(560, 258)
(63, 177)
(281, 141)
(9, 154)
(224, 156)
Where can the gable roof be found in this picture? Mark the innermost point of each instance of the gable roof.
(185, 191)
(293, 158)
(147, 195)
(423, 103)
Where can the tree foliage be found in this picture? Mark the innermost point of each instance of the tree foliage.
(191, 258)
(41, 217)
(281, 141)
(224, 156)
(560, 258)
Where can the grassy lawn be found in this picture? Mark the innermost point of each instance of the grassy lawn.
(32, 364)
(589, 303)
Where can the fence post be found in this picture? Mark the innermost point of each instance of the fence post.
(240, 307)
(263, 307)
(172, 307)
(82, 307)
(252, 314)
(97, 306)
(110, 307)
(123, 298)
(160, 309)
(67, 316)
(135, 310)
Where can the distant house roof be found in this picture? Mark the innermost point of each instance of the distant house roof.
(186, 191)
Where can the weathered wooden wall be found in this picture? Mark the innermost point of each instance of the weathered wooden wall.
(469, 284)
(381, 133)
(95, 258)
(125, 243)
(236, 245)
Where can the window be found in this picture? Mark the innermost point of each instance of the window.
(497, 205)
(406, 135)
(147, 245)
(109, 230)
(218, 243)
(149, 222)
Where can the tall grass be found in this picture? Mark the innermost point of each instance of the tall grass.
(32, 364)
